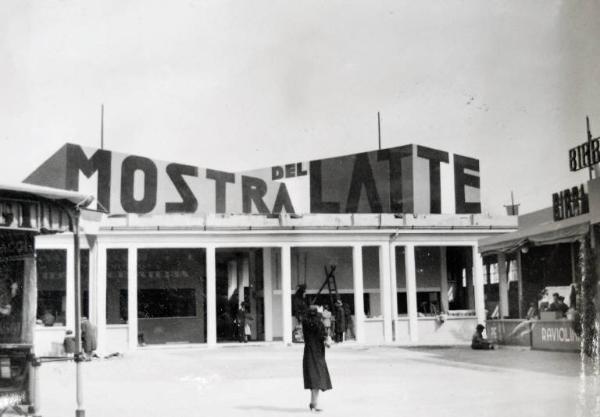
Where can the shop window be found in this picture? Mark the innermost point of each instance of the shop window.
(154, 303)
(52, 278)
(116, 286)
(84, 271)
(171, 295)
(428, 264)
(428, 303)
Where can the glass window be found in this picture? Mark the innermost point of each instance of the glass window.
(171, 295)
(116, 286)
(180, 302)
(52, 283)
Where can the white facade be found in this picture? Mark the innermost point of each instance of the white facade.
(365, 248)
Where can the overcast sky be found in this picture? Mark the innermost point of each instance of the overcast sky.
(235, 85)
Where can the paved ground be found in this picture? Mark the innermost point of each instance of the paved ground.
(267, 381)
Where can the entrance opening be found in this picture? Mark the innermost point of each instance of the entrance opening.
(171, 296)
(240, 295)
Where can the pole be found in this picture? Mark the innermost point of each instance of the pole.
(589, 140)
(79, 412)
(379, 129)
(102, 126)
(589, 137)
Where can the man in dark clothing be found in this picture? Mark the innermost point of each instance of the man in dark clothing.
(478, 341)
(555, 304)
(340, 321)
(562, 306)
(299, 307)
(240, 323)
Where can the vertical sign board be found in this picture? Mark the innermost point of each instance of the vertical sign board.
(405, 179)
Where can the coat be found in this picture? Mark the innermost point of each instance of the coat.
(314, 367)
(340, 319)
(88, 336)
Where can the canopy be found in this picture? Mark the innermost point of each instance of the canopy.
(48, 193)
(549, 233)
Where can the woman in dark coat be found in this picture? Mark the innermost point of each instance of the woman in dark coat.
(314, 367)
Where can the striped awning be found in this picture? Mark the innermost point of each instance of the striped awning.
(549, 233)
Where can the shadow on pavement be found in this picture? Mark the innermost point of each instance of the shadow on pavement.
(551, 363)
(273, 409)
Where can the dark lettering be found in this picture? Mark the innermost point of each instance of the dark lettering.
(221, 179)
(585, 205)
(130, 165)
(277, 173)
(595, 152)
(568, 207)
(401, 175)
(572, 160)
(317, 205)
(575, 201)
(299, 171)
(290, 170)
(435, 157)
(283, 201)
(586, 155)
(100, 162)
(362, 176)
(253, 191)
(461, 180)
(189, 204)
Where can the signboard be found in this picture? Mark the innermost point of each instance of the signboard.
(570, 203)
(554, 335)
(31, 216)
(585, 155)
(406, 179)
(509, 332)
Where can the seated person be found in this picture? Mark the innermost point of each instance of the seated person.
(555, 304)
(478, 341)
(562, 306)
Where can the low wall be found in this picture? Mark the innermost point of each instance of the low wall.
(453, 331)
(48, 341)
(172, 330)
(515, 332)
(554, 335)
(117, 338)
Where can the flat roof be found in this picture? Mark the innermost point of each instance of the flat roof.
(308, 222)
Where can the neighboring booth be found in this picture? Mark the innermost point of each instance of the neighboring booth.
(525, 268)
(25, 211)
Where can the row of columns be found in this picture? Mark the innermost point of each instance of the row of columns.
(387, 284)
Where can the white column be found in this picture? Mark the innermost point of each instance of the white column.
(70, 289)
(286, 293)
(100, 296)
(359, 305)
(393, 291)
(411, 291)
(384, 292)
(522, 307)
(478, 281)
(132, 297)
(268, 293)
(443, 281)
(211, 296)
(502, 285)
